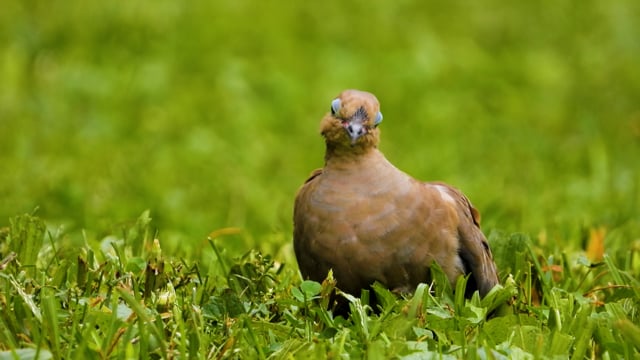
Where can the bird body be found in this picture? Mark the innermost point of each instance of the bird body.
(368, 221)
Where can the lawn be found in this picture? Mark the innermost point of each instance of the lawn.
(151, 152)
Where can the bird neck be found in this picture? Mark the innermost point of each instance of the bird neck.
(345, 157)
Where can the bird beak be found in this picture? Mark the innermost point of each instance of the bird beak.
(355, 129)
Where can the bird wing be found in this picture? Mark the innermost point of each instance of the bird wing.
(474, 249)
(301, 235)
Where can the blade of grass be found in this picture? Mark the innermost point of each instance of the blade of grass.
(629, 331)
(50, 321)
(145, 323)
(28, 300)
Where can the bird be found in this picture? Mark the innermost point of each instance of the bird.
(367, 221)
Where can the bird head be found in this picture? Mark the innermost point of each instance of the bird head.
(353, 121)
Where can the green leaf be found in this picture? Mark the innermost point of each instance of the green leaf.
(298, 295)
(136, 264)
(310, 288)
(473, 314)
(386, 299)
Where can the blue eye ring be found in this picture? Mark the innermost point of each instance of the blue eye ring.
(335, 106)
(378, 119)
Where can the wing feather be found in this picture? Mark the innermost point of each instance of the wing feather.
(474, 250)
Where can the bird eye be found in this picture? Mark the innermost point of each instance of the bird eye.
(335, 106)
(378, 119)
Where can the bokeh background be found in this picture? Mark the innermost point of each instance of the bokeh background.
(207, 112)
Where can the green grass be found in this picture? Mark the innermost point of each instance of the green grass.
(127, 299)
(207, 114)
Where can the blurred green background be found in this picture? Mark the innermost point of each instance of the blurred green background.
(207, 112)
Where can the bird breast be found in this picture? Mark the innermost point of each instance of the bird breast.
(370, 221)
(372, 201)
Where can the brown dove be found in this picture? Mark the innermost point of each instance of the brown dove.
(368, 221)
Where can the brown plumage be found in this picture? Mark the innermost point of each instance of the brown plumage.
(369, 221)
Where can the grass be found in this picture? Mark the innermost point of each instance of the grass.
(206, 113)
(127, 299)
